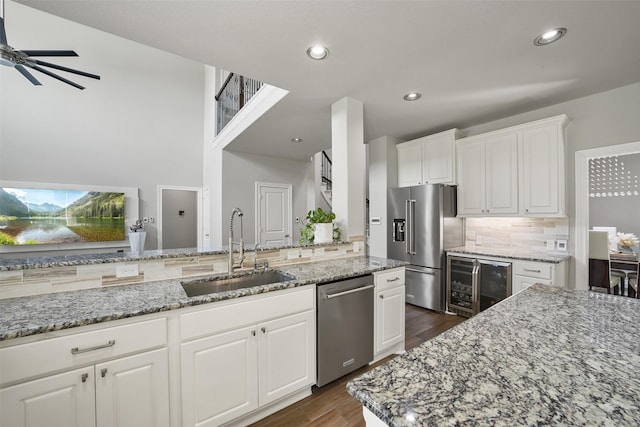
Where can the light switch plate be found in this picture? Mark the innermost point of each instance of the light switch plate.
(127, 270)
(562, 245)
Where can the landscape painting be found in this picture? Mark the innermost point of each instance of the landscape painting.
(31, 216)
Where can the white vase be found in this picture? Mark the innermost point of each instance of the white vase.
(136, 240)
(323, 233)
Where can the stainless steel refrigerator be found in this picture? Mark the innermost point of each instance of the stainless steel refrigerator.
(423, 224)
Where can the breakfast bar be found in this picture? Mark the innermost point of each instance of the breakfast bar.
(544, 356)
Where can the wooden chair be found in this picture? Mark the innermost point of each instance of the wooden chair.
(600, 273)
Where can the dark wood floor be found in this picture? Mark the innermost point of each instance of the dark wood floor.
(331, 405)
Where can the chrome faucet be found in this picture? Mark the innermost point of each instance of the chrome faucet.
(265, 264)
(232, 264)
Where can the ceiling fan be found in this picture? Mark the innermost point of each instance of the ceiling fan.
(23, 59)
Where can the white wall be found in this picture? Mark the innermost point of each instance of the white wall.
(139, 126)
(241, 171)
(383, 174)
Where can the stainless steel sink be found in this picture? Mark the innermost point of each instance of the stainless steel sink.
(210, 286)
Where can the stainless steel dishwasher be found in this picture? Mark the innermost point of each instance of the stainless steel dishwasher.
(345, 327)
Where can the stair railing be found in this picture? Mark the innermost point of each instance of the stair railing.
(325, 170)
(234, 94)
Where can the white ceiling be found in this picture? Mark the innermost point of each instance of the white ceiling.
(473, 61)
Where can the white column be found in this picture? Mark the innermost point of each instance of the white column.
(383, 174)
(212, 168)
(348, 168)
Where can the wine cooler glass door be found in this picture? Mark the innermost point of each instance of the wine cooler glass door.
(460, 292)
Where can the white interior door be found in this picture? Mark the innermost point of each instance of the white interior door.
(273, 216)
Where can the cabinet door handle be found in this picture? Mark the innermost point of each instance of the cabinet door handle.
(526, 210)
(381, 296)
(103, 372)
(76, 350)
(84, 377)
(531, 270)
(253, 333)
(264, 330)
(395, 279)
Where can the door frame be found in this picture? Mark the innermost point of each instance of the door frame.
(581, 227)
(198, 191)
(258, 187)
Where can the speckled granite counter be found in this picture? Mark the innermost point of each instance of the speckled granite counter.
(545, 356)
(43, 313)
(513, 254)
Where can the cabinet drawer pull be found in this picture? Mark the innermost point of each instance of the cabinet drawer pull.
(532, 270)
(84, 377)
(103, 372)
(76, 350)
(395, 279)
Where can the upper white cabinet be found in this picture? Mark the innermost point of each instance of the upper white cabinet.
(542, 167)
(428, 160)
(518, 171)
(488, 175)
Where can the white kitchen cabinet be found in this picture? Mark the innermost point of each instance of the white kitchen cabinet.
(66, 399)
(527, 273)
(409, 163)
(518, 171)
(542, 166)
(389, 313)
(133, 391)
(100, 389)
(488, 175)
(230, 373)
(428, 160)
(219, 377)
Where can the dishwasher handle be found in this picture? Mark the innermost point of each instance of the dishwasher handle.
(350, 291)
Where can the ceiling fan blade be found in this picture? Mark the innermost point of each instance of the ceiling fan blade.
(55, 76)
(49, 52)
(69, 70)
(3, 34)
(28, 75)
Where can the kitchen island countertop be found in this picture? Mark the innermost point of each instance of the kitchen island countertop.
(545, 356)
(36, 314)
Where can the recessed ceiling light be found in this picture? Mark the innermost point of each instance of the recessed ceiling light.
(317, 52)
(413, 96)
(550, 36)
(296, 139)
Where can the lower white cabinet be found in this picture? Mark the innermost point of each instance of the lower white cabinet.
(131, 391)
(389, 313)
(527, 273)
(229, 374)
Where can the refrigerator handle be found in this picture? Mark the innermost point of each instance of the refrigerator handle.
(412, 228)
(409, 227)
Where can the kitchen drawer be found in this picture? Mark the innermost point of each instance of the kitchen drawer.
(234, 315)
(533, 269)
(38, 358)
(389, 279)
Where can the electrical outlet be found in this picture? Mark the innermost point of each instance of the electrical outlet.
(145, 219)
(297, 220)
(551, 245)
(127, 270)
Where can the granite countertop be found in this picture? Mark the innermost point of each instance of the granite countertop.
(36, 314)
(511, 253)
(545, 356)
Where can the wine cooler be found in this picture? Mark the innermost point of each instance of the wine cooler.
(473, 285)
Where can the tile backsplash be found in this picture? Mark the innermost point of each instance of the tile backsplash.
(528, 234)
